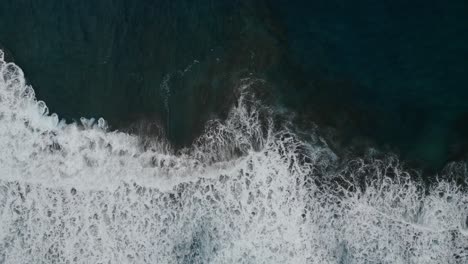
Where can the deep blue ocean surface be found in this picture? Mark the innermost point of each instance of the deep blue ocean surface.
(228, 121)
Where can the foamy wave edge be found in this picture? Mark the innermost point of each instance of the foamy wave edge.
(245, 192)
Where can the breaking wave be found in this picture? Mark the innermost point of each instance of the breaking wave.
(249, 190)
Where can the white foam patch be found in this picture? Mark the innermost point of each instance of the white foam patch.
(243, 193)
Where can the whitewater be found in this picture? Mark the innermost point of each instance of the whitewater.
(249, 190)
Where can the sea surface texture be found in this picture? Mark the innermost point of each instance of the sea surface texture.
(233, 131)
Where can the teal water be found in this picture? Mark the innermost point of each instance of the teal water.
(390, 74)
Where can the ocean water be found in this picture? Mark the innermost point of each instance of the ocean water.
(247, 191)
(390, 74)
(233, 132)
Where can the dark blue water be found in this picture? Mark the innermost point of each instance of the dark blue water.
(259, 185)
(390, 74)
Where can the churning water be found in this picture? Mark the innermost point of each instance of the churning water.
(249, 190)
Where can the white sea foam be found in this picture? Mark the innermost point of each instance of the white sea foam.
(245, 192)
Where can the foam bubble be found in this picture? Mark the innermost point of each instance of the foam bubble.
(245, 192)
